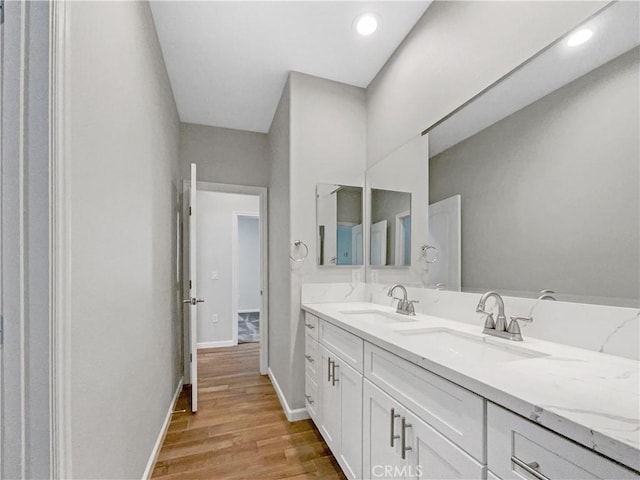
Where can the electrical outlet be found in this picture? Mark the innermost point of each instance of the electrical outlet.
(215, 318)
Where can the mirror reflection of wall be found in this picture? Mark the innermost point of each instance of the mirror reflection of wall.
(390, 228)
(546, 164)
(339, 225)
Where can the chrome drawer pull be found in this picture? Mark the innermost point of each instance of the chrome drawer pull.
(403, 442)
(333, 375)
(308, 397)
(394, 415)
(530, 468)
(329, 362)
(310, 358)
(309, 326)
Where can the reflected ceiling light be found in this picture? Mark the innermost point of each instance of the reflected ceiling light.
(366, 24)
(579, 37)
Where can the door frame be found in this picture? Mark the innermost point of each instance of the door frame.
(261, 193)
(234, 270)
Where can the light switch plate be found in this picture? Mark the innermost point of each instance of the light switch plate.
(214, 275)
(215, 318)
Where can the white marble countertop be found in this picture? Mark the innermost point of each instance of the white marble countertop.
(592, 398)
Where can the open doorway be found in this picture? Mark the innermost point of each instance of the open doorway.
(231, 273)
(246, 276)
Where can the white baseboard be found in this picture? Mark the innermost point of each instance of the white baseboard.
(221, 343)
(163, 432)
(293, 415)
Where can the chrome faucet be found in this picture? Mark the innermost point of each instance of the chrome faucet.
(498, 327)
(405, 307)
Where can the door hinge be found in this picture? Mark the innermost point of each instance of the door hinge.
(1, 12)
(190, 357)
(1, 327)
(189, 211)
(189, 284)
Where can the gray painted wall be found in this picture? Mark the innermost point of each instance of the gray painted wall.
(550, 193)
(311, 111)
(224, 155)
(279, 227)
(25, 231)
(123, 179)
(349, 208)
(455, 50)
(328, 121)
(249, 263)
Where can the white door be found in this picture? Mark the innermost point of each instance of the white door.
(357, 244)
(381, 435)
(432, 456)
(193, 299)
(379, 243)
(350, 389)
(445, 234)
(329, 401)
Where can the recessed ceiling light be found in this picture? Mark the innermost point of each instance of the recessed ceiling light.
(579, 37)
(366, 24)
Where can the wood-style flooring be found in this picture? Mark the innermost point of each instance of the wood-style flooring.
(240, 430)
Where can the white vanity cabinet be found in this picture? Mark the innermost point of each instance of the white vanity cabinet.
(400, 445)
(341, 412)
(337, 407)
(520, 449)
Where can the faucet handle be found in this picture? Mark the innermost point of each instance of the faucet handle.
(489, 322)
(410, 308)
(522, 319)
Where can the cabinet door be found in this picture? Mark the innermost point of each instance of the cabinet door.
(350, 387)
(432, 456)
(381, 421)
(329, 402)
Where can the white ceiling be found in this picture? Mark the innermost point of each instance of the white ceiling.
(616, 30)
(228, 60)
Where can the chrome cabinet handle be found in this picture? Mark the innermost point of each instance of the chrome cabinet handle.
(530, 468)
(329, 362)
(310, 358)
(333, 375)
(308, 397)
(393, 417)
(309, 326)
(403, 441)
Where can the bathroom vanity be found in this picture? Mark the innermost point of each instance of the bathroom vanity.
(398, 396)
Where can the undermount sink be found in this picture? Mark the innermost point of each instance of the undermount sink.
(474, 348)
(376, 316)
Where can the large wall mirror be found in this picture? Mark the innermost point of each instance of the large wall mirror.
(535, 184)
(339, 215)
(396, 211)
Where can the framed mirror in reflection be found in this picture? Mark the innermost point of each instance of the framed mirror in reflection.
(545, 165)
(390, 235)
(339, 214)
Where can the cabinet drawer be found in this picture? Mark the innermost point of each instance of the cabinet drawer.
(344, 344)
(513, 441)
(452, 410)
(311, 357)
(311, 398)
(311, 325)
